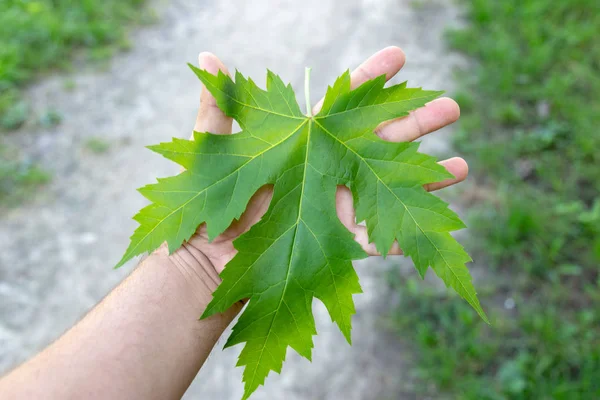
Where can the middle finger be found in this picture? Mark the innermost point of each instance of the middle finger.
(433, 116)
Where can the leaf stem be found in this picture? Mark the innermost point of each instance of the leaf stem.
(307, 91)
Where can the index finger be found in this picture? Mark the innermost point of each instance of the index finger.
(387, 61)
(210, 117)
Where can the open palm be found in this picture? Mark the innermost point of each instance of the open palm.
(431, 117)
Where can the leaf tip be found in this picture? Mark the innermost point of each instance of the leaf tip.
(153, 147)
(207, 313)
(126, 257)
(211, 309)
(348, 336)
(474, 302)
(422, 271)
(483, 315)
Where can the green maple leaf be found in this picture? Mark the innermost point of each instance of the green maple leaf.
(300, 250)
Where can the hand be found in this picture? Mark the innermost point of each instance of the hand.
(144, 340)
(389, 61)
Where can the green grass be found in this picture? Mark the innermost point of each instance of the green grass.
(530, 119)
(18, 177)
(97, 145)
(40, 36)
(535, 350)
(529, 129)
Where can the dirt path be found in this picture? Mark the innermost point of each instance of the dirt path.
(57, 251)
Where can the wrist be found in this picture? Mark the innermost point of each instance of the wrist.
(195, 274)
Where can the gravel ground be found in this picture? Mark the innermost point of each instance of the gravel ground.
(59, 247)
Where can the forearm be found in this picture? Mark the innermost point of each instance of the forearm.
(144, 340)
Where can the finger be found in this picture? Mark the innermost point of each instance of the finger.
(457, 167)
(256, 208)
(433, 116)
(345, 207)
(387, 61)
(347, 216)
(210, 118)
(362, 237)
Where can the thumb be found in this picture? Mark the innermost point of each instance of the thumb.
(210, 118)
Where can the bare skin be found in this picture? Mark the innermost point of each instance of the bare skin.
(144, 340)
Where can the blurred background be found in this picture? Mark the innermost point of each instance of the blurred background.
(85, 85)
